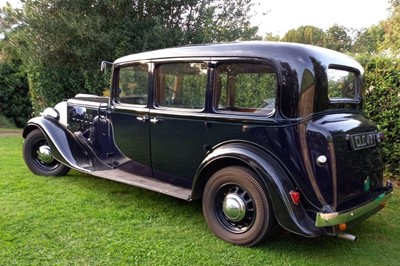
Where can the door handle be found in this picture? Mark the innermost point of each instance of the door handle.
(155, 120)
(142, 118)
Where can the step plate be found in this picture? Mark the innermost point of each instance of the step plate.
(143, 182)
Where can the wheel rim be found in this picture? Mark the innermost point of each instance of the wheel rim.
(235, 208)
(42, 156)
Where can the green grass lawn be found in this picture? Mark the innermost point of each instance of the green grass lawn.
(83, 220)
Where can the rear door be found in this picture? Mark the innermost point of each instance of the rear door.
(179, 120)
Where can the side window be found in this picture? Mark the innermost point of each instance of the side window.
(246, 88)
(181, 85)
(133, 84)
(342, 85)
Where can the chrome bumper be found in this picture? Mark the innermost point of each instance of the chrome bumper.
(335, 218)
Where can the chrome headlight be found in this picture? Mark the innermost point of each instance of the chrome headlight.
(51, 113)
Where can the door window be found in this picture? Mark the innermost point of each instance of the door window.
(248, 88)
(181, 85)
(133, 84)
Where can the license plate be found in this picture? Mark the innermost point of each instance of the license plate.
(362, 141)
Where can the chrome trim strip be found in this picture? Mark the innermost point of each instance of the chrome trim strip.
(335, 218)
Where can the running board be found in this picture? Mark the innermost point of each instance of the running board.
(143, 182)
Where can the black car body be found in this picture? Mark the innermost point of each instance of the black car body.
(260, 131)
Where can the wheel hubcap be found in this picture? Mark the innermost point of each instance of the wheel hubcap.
(234, 207)
(44, 154)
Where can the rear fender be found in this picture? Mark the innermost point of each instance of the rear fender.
(276, 181)
(64, 145)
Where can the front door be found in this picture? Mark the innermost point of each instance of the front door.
(178, 121)
(129, 117)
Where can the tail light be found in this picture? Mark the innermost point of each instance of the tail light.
(295, 196)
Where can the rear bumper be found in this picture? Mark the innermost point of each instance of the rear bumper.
(364, 211)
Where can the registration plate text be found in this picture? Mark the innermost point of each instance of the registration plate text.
(362, 141)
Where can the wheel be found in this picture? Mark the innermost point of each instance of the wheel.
(236, 207)
(38, 156)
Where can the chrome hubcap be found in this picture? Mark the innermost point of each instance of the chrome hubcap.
(234, 207)
(44, 154)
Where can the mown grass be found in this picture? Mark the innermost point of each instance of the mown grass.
(83, 220)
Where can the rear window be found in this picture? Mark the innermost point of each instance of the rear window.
(342, 85)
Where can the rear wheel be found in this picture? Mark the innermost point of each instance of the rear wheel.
(236, 206)
(38, 156)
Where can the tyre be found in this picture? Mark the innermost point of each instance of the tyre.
(236, 207)
(38, 156)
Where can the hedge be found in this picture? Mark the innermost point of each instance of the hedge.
(15, 103)
(382, 104)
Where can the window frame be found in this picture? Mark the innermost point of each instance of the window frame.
(217, 62)
(115, 94)
(158, 64)
(358, 85)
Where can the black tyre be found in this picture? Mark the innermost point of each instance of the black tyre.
(38, 157)
(236, 206)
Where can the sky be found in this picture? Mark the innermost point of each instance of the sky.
(283, 15)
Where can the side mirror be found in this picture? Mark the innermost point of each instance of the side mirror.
(103, 66)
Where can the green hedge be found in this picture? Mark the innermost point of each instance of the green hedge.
(49, 85)
(5, 122)
(382, 103)
(15, 103)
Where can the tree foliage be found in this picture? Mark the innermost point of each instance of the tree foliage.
(391, 41)
(306, 34)
(14, 100)
(63, 42)
(382, 103)
(335, 38)
(368, 40)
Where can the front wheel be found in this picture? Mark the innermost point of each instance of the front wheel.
(236, 206)
(38, 156)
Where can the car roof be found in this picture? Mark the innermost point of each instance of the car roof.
(280, 51)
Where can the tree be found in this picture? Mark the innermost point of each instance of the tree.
(306, 34)
(391, 41)
(337, 38)
(368, 40)
(271, 37)
(63, 42)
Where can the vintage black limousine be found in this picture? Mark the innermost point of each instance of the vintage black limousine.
(261, 132)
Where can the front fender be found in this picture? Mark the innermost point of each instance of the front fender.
(63, 144)
(275, 179)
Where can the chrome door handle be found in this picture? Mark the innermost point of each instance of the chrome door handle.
(155, 120)
(142, 118)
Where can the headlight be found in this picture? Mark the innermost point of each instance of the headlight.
(51, 113)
